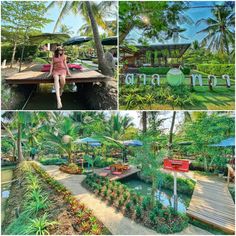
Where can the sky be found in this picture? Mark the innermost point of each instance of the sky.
(72, 21)
(195, 14)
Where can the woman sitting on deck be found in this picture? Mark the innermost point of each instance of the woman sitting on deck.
(58, 70)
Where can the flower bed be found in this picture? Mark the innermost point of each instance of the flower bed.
(71, 169)
(86, 222)
(159, 218)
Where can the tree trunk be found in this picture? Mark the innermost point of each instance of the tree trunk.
(19, 147)
(13, 54)
(144, 121)
(171, 131)
(100, 53)
(153, 192)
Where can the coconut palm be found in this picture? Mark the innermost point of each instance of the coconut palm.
(65, 29)
(220, 29)
(117, 125)
(62, 135)
(93, 15)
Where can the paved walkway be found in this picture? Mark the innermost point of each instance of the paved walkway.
(113, 220)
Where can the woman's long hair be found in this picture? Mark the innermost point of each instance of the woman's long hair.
(56, 52)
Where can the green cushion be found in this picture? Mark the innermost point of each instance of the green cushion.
(175, 77)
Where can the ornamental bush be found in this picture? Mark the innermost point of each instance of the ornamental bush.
(160, 70)
(217, 69)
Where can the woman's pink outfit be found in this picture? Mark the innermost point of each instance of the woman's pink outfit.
(59, 67)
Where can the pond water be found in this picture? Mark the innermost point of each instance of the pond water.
(164, 196)
(6, 176)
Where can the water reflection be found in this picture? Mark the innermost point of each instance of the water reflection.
(164, 196)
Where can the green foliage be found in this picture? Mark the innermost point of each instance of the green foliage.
(29, 53)
(217, 69)
(103, 162)
(128, 206)
(152, 216)
(138, 211)
(159, 19)
(146, 202)
(39, 225)
(184, 186)
(39, 60)
(209, 129)
(160, 70)
(176, 96)
(52, 161)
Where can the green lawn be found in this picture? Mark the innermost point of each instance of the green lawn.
(221, 98)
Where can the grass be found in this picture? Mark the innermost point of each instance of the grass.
(206, 227)
(221, 98)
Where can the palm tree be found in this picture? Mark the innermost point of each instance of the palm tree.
(65, 29)
(117, 125)
(171, 131)
(91, 13)
(144, 121)
(220, 29)
(62, 135)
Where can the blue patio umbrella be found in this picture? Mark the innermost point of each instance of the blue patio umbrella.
(77, 40)
(95, 144)
(229, 142)
(88, 141)
(110, 41)
(133, 143)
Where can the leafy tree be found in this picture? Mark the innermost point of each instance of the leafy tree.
(19, 19)
(157, 20)
(92, 13)
(150, 163)
(219, 29)
(208, 129)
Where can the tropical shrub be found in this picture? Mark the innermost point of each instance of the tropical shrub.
(85, 219)
(217, 69)
(39, 60)
(71, 169)
(176, 96)
(160, 70)
(39, 225)
(29, 51)
(52, 161)
(138, 211)
(130, 200)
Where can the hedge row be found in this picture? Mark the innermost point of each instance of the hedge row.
(30, 52)
(217, 69)
(160, 70)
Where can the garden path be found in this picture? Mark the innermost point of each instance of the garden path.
(212, 203)
(113, 220)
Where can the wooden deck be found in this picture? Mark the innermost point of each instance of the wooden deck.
(133, 170)
(33, 75)
(212, 203)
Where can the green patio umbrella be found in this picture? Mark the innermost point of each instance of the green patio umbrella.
(49, 38)
(175, 77)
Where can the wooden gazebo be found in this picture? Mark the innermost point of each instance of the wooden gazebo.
(152, 55)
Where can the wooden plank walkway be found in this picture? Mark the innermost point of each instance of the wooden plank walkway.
(212, 203)
(33, 75)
